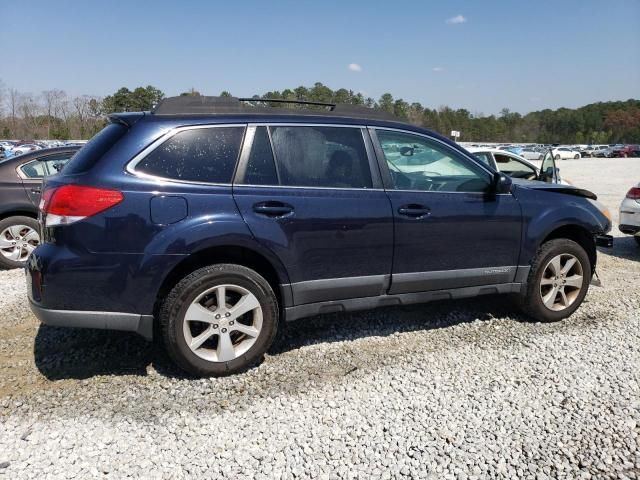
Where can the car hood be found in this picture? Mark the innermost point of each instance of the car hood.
(554, 187)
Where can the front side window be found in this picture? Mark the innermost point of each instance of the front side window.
(206, 155)
(418, 163)
(514, 168)
(483, 157)
(330, 157)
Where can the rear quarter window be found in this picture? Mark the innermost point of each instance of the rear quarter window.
(93, 150)
(206, 155)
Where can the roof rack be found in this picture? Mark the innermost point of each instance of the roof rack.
(203, 105)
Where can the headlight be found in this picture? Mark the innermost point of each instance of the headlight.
(602, 209)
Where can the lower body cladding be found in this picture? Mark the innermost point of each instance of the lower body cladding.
(513, 279)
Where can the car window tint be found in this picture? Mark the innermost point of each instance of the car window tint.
(333, 157)
(418, 163)
(55, 163)
(514, 168)
(95, 148)
(261, 168)
(483, 157)
(33, 169)
(198, 155)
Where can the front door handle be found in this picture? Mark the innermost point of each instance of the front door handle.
(273, 209)
(414, 210)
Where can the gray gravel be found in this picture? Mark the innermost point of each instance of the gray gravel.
(451, 390)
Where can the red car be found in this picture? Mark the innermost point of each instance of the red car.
(628, 151)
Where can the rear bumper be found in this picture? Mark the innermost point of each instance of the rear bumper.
(130, 322)
(629, 229)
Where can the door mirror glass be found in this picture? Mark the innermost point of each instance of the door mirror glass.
(502, 183)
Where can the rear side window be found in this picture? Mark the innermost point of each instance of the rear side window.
(333, 157)
(93, 150)
(198, 155)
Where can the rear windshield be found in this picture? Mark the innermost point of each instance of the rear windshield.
(93, 150)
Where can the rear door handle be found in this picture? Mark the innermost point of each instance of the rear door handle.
(413, 210)
(273, 209)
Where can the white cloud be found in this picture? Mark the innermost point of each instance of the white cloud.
(438, 69)
(354, 67)
(457, 19)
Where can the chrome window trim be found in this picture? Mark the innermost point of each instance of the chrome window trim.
(284, 187)
(131, 165)
(24, 176)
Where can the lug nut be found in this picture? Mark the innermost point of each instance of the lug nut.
(231, 322)
(224, 330)
(215, 326)
(227, 314)
(217, 316)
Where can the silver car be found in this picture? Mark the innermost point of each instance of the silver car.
(630, 213)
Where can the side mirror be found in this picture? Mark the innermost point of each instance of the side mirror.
(502, 183)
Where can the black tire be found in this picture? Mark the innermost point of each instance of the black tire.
(173, 311)
(637, 240)
(576, 157)
(9, 222)
(531, 302)
(557, 157)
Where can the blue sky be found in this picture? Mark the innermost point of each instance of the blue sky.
(479, 55)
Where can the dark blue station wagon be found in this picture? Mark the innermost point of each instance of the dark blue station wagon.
(209, 221)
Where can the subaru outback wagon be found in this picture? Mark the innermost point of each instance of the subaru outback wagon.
(210, 221)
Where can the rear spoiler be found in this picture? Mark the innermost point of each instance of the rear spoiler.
(127, 118)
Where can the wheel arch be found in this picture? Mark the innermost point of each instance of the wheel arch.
(578, 234)
(19, 213)
(248, 257)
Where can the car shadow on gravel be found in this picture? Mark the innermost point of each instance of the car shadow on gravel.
(66, 353)
(623, 247)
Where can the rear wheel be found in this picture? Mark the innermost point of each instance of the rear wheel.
(557, 157)
(219, 320)
(19, 236)
(558, 281)
(576, 157)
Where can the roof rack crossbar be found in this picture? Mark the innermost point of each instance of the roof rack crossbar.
(283, 100)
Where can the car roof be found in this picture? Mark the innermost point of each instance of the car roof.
(27, 157)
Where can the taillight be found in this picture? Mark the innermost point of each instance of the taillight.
(634, 193)
(71, 203)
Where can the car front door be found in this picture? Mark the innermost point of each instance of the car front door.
(451, 229)
(310, 195)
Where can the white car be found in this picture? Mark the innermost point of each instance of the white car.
(630, 213)
(28, 147)
(531, 154)
(564, 153)
(518, 167)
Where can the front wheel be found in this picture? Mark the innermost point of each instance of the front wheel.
(557, 157)
(576, 157)
(19, 236)
(219, 320)
(558, 281)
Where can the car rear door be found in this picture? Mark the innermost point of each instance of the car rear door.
(309, 194)
(451, 231)
(32, 173)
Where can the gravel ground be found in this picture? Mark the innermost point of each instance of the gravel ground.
(450, 390)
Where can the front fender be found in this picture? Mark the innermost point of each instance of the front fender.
(546, 212)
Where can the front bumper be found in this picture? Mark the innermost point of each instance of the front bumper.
(130, 322)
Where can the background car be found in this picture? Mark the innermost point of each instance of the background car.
(564, 153)
(24, 148)
(630, 213)
(518, 167)
(627, 151)
(20, 188)
(531, 154)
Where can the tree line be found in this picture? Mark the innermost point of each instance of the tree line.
(54, 114)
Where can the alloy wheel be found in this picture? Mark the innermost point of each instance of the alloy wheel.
(561, 282)
(222, 323)
(18, 241)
